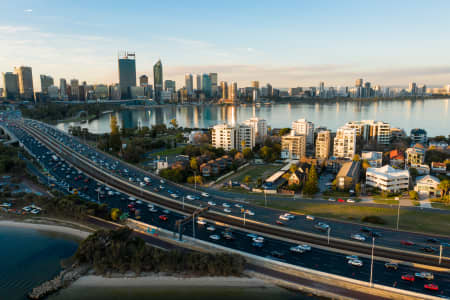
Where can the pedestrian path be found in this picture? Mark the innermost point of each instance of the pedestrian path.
(425, 203)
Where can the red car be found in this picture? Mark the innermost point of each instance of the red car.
(130, 205)
(407, 243)
(408, 277)
(280, 222)
(163, 218)
(341, 200)
(432, 287)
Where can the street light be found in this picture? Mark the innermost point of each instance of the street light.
(441, 249)
(371, 265)
(183, 202)
(329, 230)
(195, 181)
(398, 213)
(265, 198)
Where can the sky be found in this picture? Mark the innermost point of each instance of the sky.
(285, 43)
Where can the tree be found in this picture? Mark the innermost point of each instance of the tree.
(358, 188)
(247, 152)
(365, 164)
(311, 185)
(444, 186)
(243, 143)
(413, 172)
(195, 179)
(174, 123)
(194, 164)
(356, 157)
(265, 153)
(284, 131)
(247, 179)
(413, 195)
(293, 168)
(113, 125)
(115, 214)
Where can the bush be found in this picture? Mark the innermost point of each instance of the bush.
(374, 220)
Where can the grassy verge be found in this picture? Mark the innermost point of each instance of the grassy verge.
(413, 220)
(386, 201)
(255, 171)
(440, 205)
(173, 151)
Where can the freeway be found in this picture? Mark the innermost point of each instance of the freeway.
(341, 230)
(318, 259)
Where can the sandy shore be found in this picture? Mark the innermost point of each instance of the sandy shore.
(167, 281)
(46, 227)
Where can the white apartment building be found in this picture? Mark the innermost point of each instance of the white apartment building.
(387, 178)
(323, 144)
(302, 126)
(232, 137)
(259, 127)
(345, 143)
(294, 145)
(370, 130)
(375, 159)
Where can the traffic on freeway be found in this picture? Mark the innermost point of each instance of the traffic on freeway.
(389, 238)
(74, 181)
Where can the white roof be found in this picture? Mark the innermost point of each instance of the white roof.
(388, 172)
(275, 176)
(427, 177)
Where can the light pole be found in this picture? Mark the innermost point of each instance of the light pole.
(329, 230)
(183, 202)
(398, 213)
(265, 198)
(195, 181)
(441, 249)
(244, 217)
(193, 227)
(371, 265)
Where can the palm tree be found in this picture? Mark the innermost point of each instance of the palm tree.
(444, 186)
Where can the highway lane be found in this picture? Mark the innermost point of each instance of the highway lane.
(343, 230)
(317, 259)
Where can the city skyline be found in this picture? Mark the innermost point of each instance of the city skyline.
(300, 49)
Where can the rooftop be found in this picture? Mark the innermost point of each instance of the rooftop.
(388, 172)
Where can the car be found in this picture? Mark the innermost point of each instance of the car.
(225, 205)
(433, 241)
(211, 228)
(257, 245)
(130, 205)
(428, 249)
(350, 201)
(206, 195)
(283, 217)
(258, 239)
(190, 197)
(279, 222)
(252, 235)
(289, 216)
(375, 234)
(138, 202)
(358, 237)
(296, 249)
(407, 243)
(341, 200)
(201, 222)
(305, 247)
(408, 277)
(366, 229)
(152, 210)
(166, 211)
(214, 237)
(174, 195)
(431, 287)
(150, 205)
(35, 211)
(238, 205)
(311, 218)
(142, 183)
(351, 257)
(322, 226)
(249, 212)
(227, 234)
(355, 262)
(227, 210)
(424, 275)
(212, 203)
(277, 254)
(391, 266)
(162, 181)
(331, 199)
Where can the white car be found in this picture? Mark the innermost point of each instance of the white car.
(152, 210)
(352, 257)
(358, 237)
(284, 218)
(305, 247)
(258, 239)
(27, 208)
(214, 237)
(190, 197)
(227, 210)
(206, 195)
(249, 212)
(166, 211)
(131, 198)
(138, 202)
(311, 218)
(355, 262)
(162, 181)
(296, 249)
(174, 195)
(142, 183)
(350, 201)
(238, 205)
(226, 205)
(35, 211)
(424, 275)
(211, 203)
(201, 222)
(252, 235)
(150, 205)
(211, 228)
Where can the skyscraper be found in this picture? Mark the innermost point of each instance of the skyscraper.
(233, 92)
(11, 86)
(158, 79)
(127, 73)
(206, 85)
(255, 84)
(62, 88)
(189, 83)
(25, 79)
(359, 82)
(46, 81)
(213, 80)
(74, 89)
(306, 128)
(169, 85)
(143, 80)
(198, 82)
(224, 86)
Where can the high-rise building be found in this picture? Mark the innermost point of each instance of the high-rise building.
(345, 143)
(46, 81)
(143, 80)
(233, 92)
(169, 85)
(189, 84)
(255, 84)
(11, 86)
(127, 73)
(269, 90)
(294, 145)
(372, 131)
(302, 126)
(223, 136)
(224, 88)
(62, 88)
(158, 79)
(245, 137)
(213, 80)
(198, 82)
(75, 89)
(206, 85)
(259, 128)
(359, 82)
(413, 88)
(114, 92)
(323, 144)
(25, 78)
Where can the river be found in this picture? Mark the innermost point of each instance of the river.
(431, 114)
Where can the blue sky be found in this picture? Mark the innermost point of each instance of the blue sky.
(287, 43)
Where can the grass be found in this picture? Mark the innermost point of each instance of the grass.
(254, 171)
(440, 205)
(416, 203)
(386, 201)
(412, 220)
(167, 152)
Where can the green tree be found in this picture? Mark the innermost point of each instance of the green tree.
(247, 152)
(247, 179)
(115, 214)
(444, 186)
(413, 172)
(194, 164)
(284, 131)
(311, 185)
(265, 153)
(413, 195)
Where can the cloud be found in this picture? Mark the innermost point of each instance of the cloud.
(28, 10)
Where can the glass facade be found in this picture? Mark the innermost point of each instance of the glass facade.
(158, 79)
(127, 75)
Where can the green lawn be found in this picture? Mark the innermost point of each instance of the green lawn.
(414, 220)
(386, 201)
(255, 171)
(440, 205)
(166, 152)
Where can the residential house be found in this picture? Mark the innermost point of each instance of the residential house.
(415, 154)
(297, 177)
(438, 167)
(427, 186)
(205, 169)
(422, 169)
(396, 158)
(348, 175)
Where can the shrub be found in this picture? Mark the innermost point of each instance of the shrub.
(373, 220)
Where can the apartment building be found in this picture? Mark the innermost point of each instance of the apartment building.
(415, 155)
(345, 143)
(294, 145)
(323, 144)
(259, 128)
(233, 137)
(372, 131)
(306, 128)
(245, 137)
(387, 178)
(374, 158)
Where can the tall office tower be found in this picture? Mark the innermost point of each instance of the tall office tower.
(158, 80)
(169, 85)
(11, 86)
(302, 126)
(143, 80)
(294, 144)
(127, 72)
(323, 144)
(413, 88)
(46, 81)
(62, 88)
(74, 89)
(233, 92)
(206, 85)
(259, 128)
(224, 87)
(189, 84)
(25, 78)
(213, 80)
(255, 84)
(345, 143)
(269, 90)
(359, 82)
(198, 82)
